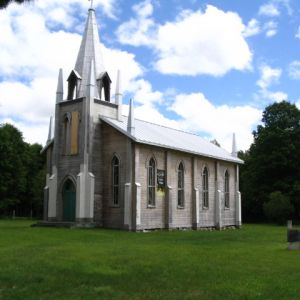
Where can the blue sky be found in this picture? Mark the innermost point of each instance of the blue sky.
(209, 67)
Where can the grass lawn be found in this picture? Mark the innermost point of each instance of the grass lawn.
(55, 263)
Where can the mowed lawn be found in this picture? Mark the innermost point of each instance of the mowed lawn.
(56, 263)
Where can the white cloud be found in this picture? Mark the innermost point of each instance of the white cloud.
(219, 122)
(269, 10)
(268, 77)
(252, 28)
(297, 35)
(270, 28)
(194, 43)
(273, 96)
(29, 77)
(143, 92)
(138, 31)
(294, 69)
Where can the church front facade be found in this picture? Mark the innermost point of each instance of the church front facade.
(108, 170)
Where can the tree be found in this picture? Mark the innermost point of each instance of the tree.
(12, 169)
(279, 208)
(5, 3)
(22, 174)
(273, 160)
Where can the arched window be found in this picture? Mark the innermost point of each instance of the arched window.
(205, 187)
(180, 190)
(115, 179)
(226, 189)
(151, 182)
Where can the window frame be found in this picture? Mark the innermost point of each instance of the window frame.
(180, 186)
(115, 164)
(205, 188)
(151, 183)
(226, 190)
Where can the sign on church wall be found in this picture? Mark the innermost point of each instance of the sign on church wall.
(161, 179)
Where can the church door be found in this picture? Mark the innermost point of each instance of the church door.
(69, 201)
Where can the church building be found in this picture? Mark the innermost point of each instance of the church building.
(109, 170)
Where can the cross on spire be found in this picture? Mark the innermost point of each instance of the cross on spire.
(92, 3)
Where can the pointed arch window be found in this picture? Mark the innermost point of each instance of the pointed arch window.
(115, 180)
(180, 187)
(226, 190)
(205, 187)
(151, 182)
(66, 133)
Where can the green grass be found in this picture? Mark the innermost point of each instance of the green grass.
(55, 263)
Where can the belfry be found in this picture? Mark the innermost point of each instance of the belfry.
(108, 170)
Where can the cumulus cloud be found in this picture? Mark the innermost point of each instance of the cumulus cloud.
(269, 10)
(270, 28)
(29, 77)
(252, 28)
(192, 44)
(138, 31)
(297, 35)
(294, 69)
(269, 76)
(217, 122)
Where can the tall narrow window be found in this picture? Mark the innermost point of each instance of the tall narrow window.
(180, 185)
(66, 135)
(115, 180)
(151, 182)
(205, 187)
(226, 189)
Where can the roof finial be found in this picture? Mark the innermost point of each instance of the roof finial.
(130, 122)
(234, 150)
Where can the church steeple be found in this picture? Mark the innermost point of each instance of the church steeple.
(90, 49)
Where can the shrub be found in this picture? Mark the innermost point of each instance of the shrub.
(279, 208)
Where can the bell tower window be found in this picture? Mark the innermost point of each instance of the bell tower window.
(104, 83)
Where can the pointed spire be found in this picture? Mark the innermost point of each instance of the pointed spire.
(60, 87)
(119, 95)
(131, 121)
(234, 151)
(91, 81)
(90, 49)
(50, 130)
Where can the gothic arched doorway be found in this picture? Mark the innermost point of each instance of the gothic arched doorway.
(69, 201)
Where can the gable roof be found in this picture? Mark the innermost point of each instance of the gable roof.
(165, 137)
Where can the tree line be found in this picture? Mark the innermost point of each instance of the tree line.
(22, 174)
(270, 176)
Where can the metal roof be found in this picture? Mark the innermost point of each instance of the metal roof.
(165, 137)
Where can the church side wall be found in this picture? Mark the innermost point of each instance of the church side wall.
(206, 214)
(181, 217)
(155, 217)
(228, 214)
(151, 216)
(114, 143)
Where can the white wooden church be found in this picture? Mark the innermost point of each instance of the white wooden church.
(108, 170)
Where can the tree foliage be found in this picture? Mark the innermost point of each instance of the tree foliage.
(279, 208)
(273, 160)
(22, 173)
(5, 3)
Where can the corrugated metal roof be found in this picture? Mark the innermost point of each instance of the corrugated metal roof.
(161, 136)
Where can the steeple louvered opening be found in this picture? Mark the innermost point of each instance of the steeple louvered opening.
(103, 84)
(74, 81)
